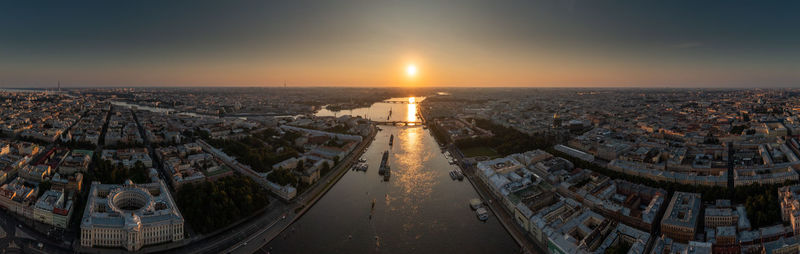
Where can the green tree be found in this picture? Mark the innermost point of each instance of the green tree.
(282, 177)
(234, 198)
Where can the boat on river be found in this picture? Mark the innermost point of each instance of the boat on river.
(361, 166)
(387, 174)
(475, 203)
(456, 174)
(482, 213)
(384, 169)
(391, 140)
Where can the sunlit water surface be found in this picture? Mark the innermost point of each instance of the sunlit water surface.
(419, 210)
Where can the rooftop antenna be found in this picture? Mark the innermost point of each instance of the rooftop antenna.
(284, 83)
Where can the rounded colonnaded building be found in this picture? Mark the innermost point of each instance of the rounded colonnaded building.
(130, 216)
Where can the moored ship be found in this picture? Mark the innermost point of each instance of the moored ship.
(384, 169)
(482, 213)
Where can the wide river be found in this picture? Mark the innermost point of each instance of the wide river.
(419, 210)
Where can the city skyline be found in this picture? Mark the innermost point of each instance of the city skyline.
(400, 126)
(368, 43)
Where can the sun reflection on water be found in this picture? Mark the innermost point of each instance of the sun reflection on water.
(411, 112)
(415, 181)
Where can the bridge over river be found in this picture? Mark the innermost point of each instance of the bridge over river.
(399, 122)
(398, 102)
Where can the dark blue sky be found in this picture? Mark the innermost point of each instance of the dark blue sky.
(484, 43)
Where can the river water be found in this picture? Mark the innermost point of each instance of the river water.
(419, 210)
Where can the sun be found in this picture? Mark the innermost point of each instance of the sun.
(411, 70)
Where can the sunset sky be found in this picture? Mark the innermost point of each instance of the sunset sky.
(372, 43)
